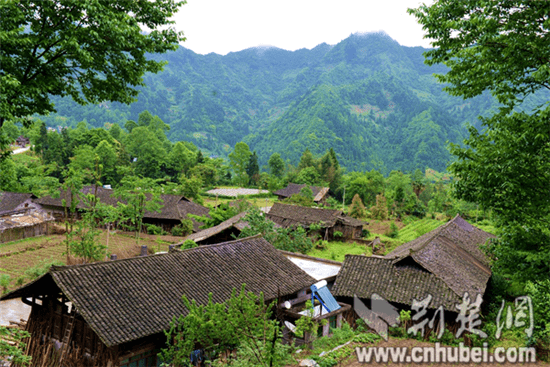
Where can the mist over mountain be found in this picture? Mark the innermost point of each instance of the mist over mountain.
(375, 102)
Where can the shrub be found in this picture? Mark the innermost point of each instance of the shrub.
(393, 231)
(357, 209)
(187, 244)
(183, 229)
(153, 229)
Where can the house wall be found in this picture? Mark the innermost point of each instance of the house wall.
(348, 232)
(18, 233)
(50, 324)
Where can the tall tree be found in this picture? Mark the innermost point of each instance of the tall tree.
(239, 161)
(253, 169)
(139, 195)
(276, 165)
(93, 51)
(502, 47)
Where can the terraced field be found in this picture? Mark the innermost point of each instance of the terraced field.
(19, 256)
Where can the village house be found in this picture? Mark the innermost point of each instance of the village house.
(174, 207)
(444, 264)
(21, 217)
(320, 194)
(334, 224)
(16, 201)
(114, 313)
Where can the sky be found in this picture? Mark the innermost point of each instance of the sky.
(223, 26)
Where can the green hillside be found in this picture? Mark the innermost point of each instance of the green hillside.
(372, 100)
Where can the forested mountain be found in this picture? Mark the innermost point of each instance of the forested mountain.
(372, 100)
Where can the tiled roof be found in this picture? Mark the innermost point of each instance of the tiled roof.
(11, 200)
(449, 253)
(235, 221)
(175, 207)
(292, 188)
(128, 299)
(452, 253)
(363, 275)
(287, 215)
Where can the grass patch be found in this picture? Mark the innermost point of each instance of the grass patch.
(338, 250)
(418, 228)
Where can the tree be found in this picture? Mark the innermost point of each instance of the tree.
(238, 160)
(244, 321)
(253, 169)
(287, 239)
(357, 209)
(502, 47)
(276, 165)
(91, 51)
(140, 195)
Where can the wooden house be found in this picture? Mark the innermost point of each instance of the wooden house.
(445, 264)
(20, 217)
(115, 313)
(330, 220)
(174, 207)
(320, 194)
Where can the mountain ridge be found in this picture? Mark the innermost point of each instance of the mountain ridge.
(361, 96)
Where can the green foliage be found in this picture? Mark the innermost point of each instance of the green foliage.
(83, 241)
(74, 61)
(41, 268)
(539, 292)
(140, 194)
(501, 48)
(5, 281)
(14, 351)
(239, 159)
(153, 229)
(380, 210)
(243, 321)
(288, 239)
(188, 244)
(357, 209)
(184, 228)
(393, 231)
(307, 324)
(276, 165)
(216, 215)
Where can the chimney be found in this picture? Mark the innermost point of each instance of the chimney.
(143, 250)
(113, 257)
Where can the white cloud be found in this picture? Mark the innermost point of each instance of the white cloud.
(223, 26)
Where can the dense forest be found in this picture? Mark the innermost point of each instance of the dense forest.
(375, 102)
